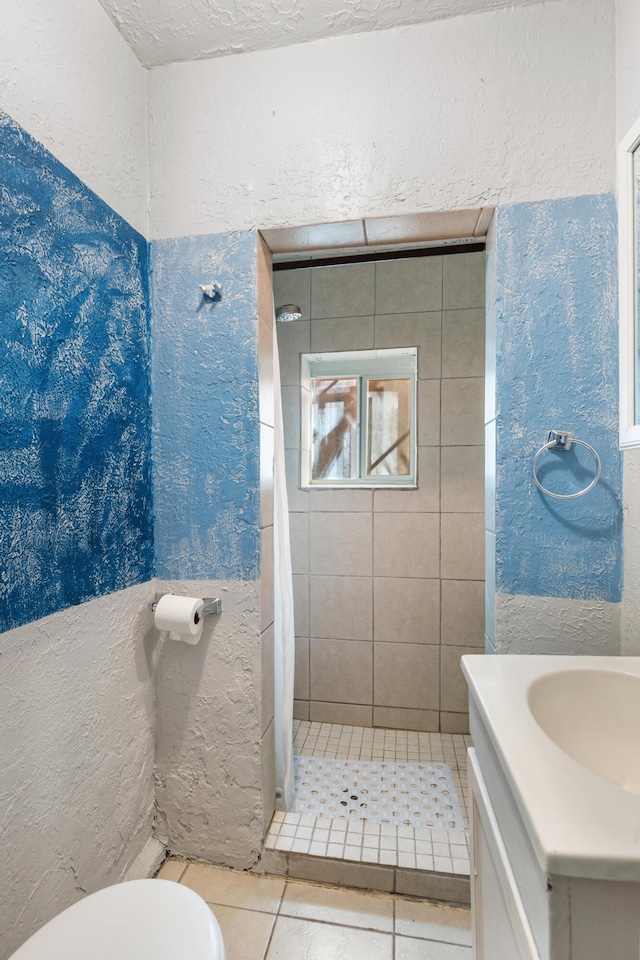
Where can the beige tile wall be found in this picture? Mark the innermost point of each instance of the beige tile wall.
(389, 584)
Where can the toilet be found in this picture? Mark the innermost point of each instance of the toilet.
(136, 920)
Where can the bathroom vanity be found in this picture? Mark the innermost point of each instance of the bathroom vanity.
(555, 807)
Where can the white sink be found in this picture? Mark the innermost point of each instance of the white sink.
(594, 716)
(565, 732)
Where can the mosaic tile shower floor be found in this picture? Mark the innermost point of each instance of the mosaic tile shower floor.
(412, 845)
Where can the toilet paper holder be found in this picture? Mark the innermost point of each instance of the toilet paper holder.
(212, 605)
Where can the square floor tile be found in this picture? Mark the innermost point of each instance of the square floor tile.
(431, 921)
(295, 939)
(172, 870)
(245, 933)
(334, 905)
(408, 948)
(234, 889)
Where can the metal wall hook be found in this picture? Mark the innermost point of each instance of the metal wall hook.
(212, 292)
(562, 439)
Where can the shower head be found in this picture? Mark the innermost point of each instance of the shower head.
(287, 313)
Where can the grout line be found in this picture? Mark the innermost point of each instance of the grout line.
(338, 923)
(234, 906)
(395, 901)
(268, 944)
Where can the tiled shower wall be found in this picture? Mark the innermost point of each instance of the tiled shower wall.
(389, 584)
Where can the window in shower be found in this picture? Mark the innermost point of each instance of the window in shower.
(359, 418)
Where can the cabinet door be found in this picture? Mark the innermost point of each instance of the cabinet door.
(500, 927)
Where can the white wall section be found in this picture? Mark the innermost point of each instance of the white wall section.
(498, 107)
(208, 756)
(77, 747)
(162, 31)
(556, 625)
(627, 64)
(71, 81)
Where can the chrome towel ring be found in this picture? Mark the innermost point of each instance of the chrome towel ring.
(562, 440)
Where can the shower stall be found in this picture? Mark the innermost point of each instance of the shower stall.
(385, 483)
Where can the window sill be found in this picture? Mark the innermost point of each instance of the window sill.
(359, 486)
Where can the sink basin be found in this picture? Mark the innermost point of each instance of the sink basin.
(594, 716)
(564, 733)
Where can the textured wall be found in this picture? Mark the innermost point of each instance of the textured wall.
(68, 77)
(162, 33)
(206, 441)
(77, 731)
(75, 423)
(557, 625)
(235, 144)
(205, 408)
(208, 754)
(76, 751)
(557, 367)
(627, 64)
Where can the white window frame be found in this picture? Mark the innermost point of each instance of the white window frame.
(628, 293)
(392, 364)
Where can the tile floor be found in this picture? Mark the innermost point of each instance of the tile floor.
(376, 743)
(270, 918)
(417, 848)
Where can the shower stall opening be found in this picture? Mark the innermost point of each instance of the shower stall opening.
(365, 796)
(386, 522)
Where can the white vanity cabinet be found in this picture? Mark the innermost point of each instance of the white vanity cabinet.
(500, 925)
(523, 906)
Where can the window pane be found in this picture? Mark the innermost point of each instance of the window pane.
(334, 428)
(389, 427)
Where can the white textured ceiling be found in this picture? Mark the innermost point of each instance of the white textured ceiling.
(163, 31)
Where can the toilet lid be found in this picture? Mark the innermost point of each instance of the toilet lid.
(137, 920)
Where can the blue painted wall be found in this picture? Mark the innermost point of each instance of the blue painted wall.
(75, 466)
(205, 408)
(556, 346)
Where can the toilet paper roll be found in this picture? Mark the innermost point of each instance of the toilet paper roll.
(181, 616)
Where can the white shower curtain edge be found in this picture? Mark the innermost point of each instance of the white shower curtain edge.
(283, 616)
